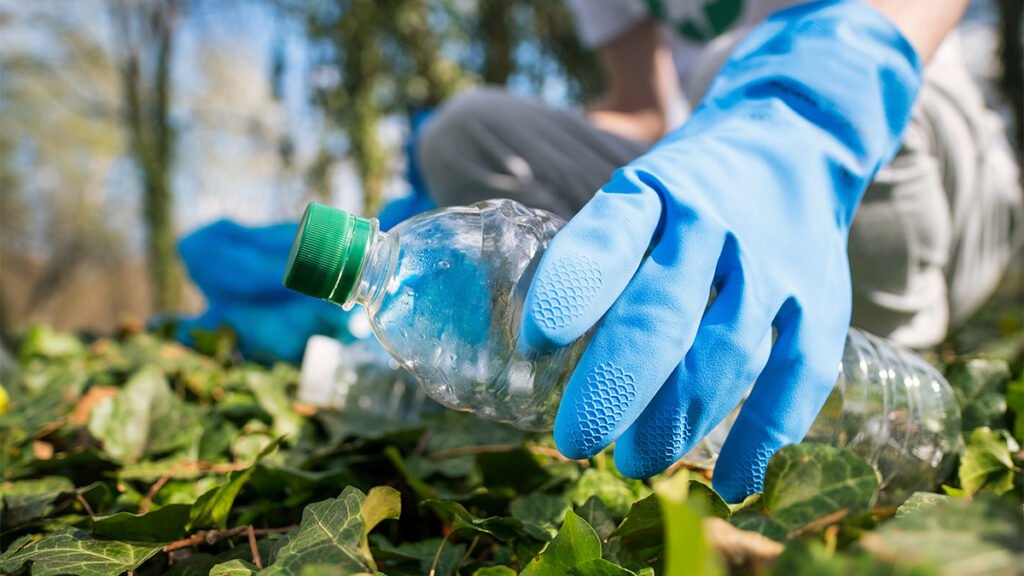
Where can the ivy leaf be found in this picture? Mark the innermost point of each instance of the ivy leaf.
(501, 527)
(149, 471)
(516, 468)
(494, 571)
(145, 418)
(98, 495)
(707, 500)
(686, 549)
(964, 537)
(540, 513)
(805, 482)
(802, 557)
(196, 564)
(452, 431)
(382, 503)
(327, 570)
(598, 516)
(1015, 405)
(331, 532)
(615, 492)
(576, 543)
(980, 387)
(421, 488)
(29, 413)
(27, 500)
(423, 553)
(987, 463)
(272, 398)
(75, 552)
(201, 563)
(216, 438)
(236, 567)
(161, 525)
(758, 521)
(46, 342)
(271, 476)
(363, 428)
(640, 537)
(600, 567)
(214, 506)
(921, 502)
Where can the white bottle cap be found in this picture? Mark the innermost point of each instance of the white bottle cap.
(318, 375)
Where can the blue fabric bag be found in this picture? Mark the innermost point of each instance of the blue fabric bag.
(239, 270)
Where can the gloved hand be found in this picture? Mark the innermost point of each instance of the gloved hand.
(752, 197)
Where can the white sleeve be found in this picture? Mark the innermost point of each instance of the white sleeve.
(601, 21)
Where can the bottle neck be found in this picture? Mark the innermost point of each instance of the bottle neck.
(377, 268)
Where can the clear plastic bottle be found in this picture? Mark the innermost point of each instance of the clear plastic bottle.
(444, 292)
(360, 376)
(890, 407)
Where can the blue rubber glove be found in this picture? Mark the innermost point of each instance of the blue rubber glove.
(753, 197)
(238, 270)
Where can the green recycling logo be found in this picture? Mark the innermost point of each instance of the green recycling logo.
(703, 21)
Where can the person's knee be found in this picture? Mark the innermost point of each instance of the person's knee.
(458, 113)
(475, 104)
(899, 246)
(450, 151)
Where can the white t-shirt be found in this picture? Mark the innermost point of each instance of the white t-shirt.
(691, 24)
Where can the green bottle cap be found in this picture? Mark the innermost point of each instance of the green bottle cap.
(328, 253)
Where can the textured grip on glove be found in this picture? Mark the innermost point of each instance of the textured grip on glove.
(610, 390)
(566, 291)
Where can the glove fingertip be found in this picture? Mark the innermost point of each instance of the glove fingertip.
(571, 443)
(734, 480)
(732, 491)
(565, 299)
(642, 455)
(628, 464)
(534, 337)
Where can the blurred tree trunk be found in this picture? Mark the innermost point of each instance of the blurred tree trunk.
(318, 176)
(419, 41)
(358, 38)
(11, 220)
(147, 34)
(495, 32)
(389, 61)
(557, 38)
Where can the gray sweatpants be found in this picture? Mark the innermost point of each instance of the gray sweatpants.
(929, 243)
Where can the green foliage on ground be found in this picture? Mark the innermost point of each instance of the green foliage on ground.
(135, 454)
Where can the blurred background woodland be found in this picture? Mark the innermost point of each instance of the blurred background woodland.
(127, 123)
